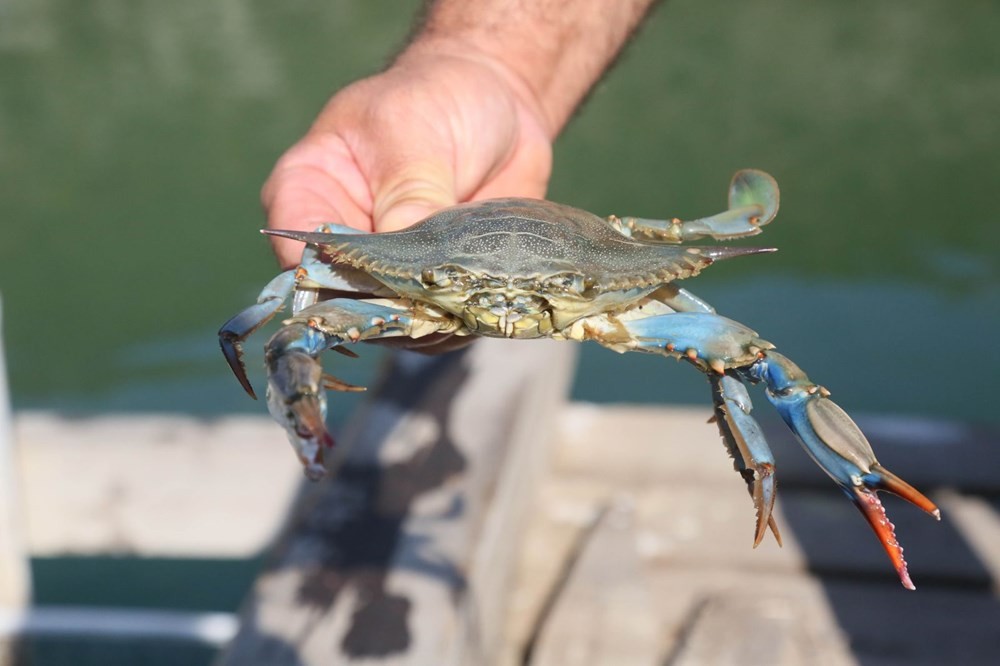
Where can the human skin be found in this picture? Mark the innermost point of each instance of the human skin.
(467, 111)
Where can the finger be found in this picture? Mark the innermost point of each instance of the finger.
(306, 190)
(410, 191)
(526, 173)
(299, 204)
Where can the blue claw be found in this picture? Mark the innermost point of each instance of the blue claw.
(295, 378)
(837, 445)
(236, 330)
(295, 395)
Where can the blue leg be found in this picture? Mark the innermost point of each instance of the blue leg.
(753, 202)
(838, 446)
(305, 281)
(751, 455)
(295, 378)
(727, 349)
(717, 345)
(236, 330)
(742, 435)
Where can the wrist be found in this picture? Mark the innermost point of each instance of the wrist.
(550, 52)
(523, 89)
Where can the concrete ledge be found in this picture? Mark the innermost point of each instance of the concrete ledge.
(151, 484)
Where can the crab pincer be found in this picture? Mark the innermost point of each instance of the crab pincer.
(295, 393)
(838, 446)
(238, 328)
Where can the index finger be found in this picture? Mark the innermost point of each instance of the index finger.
(302, 193)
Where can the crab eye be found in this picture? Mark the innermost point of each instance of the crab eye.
(571, 282)
(436, 277)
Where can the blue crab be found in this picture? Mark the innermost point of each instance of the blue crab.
(521, 268)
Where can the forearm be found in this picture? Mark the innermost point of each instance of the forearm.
(554, 50)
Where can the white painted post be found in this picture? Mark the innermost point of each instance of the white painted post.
(15, 577)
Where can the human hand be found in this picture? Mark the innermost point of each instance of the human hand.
(431, 131)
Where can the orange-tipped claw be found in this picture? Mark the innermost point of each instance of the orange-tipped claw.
(837, 444)
(895, 485)
(871, 508)
(295, 395)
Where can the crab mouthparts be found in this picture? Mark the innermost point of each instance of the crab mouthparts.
(497, 314)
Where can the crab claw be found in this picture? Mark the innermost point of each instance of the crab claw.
(836, 443)
(232, 349)
(864, 497)
(234, 331)
(295, 393)
(237, 329)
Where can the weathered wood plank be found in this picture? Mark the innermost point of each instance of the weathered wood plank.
(404, 554)
(724, 619)
(929, 453)
(605, 613)
(978, 521)
(829, 596)
(887, 626)
(641, 445)
(667, 443)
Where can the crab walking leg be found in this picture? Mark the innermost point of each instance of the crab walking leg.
(236, 330)
(295, 378)
(311, 273)
(751, 455)
(304, 282)
(725, 347)
(713, 343)
(742, 435)
(753, 202)
(838, 446)
(681, 300)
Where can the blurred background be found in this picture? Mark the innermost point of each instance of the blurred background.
(134, 137)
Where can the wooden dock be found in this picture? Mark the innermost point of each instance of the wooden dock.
(641, 552)
(475, 517)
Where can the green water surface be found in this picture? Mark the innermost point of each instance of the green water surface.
(134, 136)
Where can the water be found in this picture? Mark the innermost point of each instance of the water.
(134, 136)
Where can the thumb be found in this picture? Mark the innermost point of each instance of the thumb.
(409, 193)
